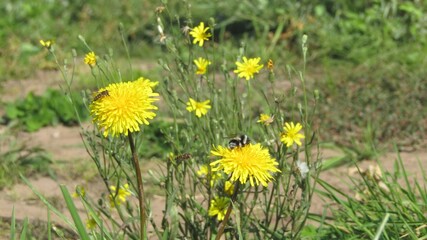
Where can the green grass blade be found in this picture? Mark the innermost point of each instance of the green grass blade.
(24, 230)
(380, 229)
(98, 220)
(49, 226)
(74, 214)
(13, 225)
(44, 200)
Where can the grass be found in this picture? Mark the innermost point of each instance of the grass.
(18, 158)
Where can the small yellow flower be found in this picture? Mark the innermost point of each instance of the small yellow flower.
(80, 192)
(90, 223)
(270, 65)
(249, 162)
(199, 34)
(291, 134)
(201, 108)
(248, 67)
(218, 207)
(90, 59)
(47, 44)
(119, 196)
(229, 188)
(124, 106)
(265, 119)
(202, 65)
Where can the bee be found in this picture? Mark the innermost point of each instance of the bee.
(239, 141)
(101, 95)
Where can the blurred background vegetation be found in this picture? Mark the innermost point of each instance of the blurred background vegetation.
(366, 58)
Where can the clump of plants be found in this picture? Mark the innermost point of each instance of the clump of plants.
(240, 162)
(34, 112)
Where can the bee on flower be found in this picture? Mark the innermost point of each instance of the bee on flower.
(251, 162)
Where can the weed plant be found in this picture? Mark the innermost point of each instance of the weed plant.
(216, 180)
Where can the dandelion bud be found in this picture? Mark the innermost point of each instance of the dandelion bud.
(316, 94)
(304, 39)
(81, 38)
(300, 107)
(212, 22)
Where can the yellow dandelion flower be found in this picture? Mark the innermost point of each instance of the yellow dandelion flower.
(218, 207)
(202, 65)
(47, 44)
(123, 106)
(119, 196)
(90, 223)
(291, 134)
(201, 108)
(248, 67)
(265, 119)
(90, 59)
(200, 34)
(249, 162)
(229, 188)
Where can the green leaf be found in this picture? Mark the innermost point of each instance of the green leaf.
(13, 225)
(74, 214)
(24, 230)
(13, 112)
(46, 202)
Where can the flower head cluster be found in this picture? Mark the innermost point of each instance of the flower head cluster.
(200, 34)
(265, 119)
(120, 108)
(291, 135)
(251, 162)
(202, 65)
(200, 108)
(119, 196)
(90, 59)
(218, 207)
(248, 67)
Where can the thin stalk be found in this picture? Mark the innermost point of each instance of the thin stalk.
(227, 214)
(140, 187)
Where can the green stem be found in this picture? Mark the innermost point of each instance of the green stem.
(142, 214)
(227, 214)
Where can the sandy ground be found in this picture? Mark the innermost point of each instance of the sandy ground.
(66, 149)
